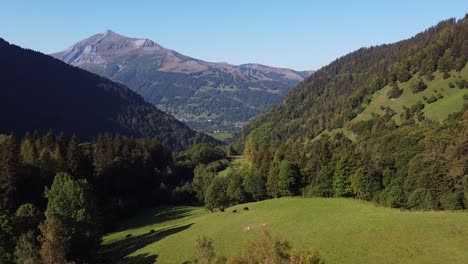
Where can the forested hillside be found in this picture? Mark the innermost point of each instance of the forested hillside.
(58, 194)
(42, 93)
(385, 123)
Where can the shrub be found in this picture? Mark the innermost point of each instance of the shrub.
(446, 75)
(462, 84)
(450, 201)
(417, 107)
(418, 86)
(422, 199)
(394, 92)
(27, 217)
(451, 85)
(204, 250)
(431, 99)
(266, 249)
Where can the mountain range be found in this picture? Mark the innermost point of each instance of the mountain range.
(205, 95)
(42, 93)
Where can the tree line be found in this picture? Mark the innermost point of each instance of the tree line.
(57, 194)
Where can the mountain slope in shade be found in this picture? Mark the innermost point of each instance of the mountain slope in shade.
(40, 92)
(206, 95)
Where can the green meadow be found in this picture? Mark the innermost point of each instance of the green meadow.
(342, 230)
(452, 100)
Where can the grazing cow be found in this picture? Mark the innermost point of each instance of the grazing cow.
(222, 209)
(152, 231)
(246, 208)
(234, 211)
(129, 235)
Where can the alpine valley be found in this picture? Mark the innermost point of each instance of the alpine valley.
(207, 96)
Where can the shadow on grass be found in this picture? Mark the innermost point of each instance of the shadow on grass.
(156, 215)
(116, 252)
(139, 259)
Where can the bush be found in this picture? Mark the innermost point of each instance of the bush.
(422, 199)
(266, 249)
(27, 217)
(183, 194)
(462, 84)
(393, 195)
(431, 99)
(418, 86)
(450, 201)
(465, 190)
(417, 107)
(446, 75)
(394, 92)
(451, 85)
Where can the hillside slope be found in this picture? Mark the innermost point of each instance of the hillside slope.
(386, 123)
(42, 93)
(206, 95)
(339, 92)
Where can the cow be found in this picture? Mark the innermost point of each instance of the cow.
(128, 235)
(246, 208)
(152, 231)
(234, 211)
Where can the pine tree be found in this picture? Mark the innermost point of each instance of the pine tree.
(341, 183)
(272, 180)
(288, 178)
(27, 249)
(73, 157)
(28, 152)
(8, 171)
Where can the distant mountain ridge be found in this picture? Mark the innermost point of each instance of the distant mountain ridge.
(42, 93)
(204, 94)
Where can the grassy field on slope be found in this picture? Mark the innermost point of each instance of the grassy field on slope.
(451, 102)
(222, 136)
(343, 230)
(240, 164)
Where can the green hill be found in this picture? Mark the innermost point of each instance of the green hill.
(386, 123)
(451, 101)
(342, 230)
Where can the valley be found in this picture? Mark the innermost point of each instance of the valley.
(205, 95)
(118, 150)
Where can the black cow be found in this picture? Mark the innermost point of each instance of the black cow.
(246, 208)
(129, 235)
(234, 211)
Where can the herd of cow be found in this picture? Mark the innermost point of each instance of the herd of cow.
(222, 210)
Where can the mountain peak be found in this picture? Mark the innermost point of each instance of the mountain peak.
(95, 48)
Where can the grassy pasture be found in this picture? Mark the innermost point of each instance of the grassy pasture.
(343, 230)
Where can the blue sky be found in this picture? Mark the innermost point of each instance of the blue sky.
(295, 34)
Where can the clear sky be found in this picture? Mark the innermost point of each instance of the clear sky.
(290, 33)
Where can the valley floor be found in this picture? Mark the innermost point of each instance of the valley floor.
(342, 230)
